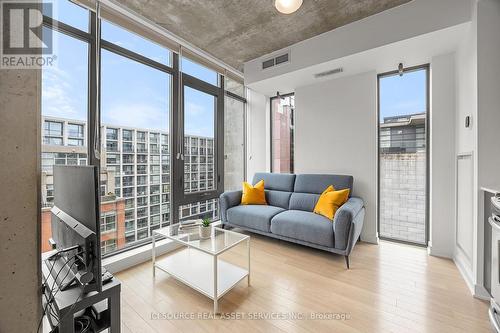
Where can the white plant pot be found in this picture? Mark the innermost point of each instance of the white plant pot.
(205, 232)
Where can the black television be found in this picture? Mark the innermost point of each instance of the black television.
(76, 228)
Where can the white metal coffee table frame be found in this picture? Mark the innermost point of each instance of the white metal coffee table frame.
(175, 266)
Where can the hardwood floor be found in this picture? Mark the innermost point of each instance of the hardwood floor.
(389, 288)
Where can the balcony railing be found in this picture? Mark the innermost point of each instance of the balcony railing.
(111, 148)
(142, 203)
(128, 194)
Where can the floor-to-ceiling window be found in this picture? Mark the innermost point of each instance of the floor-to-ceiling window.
(136, 98)
(282, 131)
(199, 154)
(151, 120)
(65, 104)
(403, 154)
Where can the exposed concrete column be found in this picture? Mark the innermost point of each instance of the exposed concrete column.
(19, 192)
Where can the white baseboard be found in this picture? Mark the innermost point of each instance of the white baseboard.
(465, 271)
(431, 250)
(370, 239)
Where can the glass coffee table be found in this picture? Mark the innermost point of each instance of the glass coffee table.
(197, 265)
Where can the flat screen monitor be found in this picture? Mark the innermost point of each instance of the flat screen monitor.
(75, 222)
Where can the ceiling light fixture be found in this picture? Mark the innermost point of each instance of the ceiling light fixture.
(287, 6)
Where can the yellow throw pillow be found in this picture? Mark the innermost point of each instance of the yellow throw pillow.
(253, 195)
(330, 200)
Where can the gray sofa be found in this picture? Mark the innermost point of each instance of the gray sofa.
(289, 214)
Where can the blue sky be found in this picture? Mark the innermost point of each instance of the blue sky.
(132, 94)
(401, 95)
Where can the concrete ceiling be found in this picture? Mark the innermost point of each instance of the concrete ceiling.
(239, 31)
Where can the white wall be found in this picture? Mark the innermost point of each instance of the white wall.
(466, 97)
(465, 143)
(442, 156)
(258, 133)
(335, 132)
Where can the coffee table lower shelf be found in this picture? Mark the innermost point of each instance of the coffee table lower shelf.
(196, 270)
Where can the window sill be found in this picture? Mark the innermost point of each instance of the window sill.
(124, 260)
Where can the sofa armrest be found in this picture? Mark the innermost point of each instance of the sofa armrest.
(342, 222)
(227, 200)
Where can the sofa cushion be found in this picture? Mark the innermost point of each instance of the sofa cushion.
(330, 201)
(309, 183)
(278, 198)
(253, 216)
(253, 195)
(304, 226)
(276, 181)
(303, 201)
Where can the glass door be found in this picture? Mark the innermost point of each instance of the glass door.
(199, 149)
(403, 155)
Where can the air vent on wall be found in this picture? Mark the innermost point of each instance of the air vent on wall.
(330, 72)
(281, 59)
(268, 63)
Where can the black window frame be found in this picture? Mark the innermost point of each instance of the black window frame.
(178, 151)
(380, 76)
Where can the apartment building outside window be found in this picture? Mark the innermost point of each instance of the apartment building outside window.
(108, 222)
(141, 136)
(75, 142)
(108, 246)
(75, 134)
(127, 135)
(50, 194)
(53, 133)
(75, 131)
(111, 134)
(49, 159)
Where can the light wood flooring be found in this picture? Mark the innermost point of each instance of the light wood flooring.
(389, 288)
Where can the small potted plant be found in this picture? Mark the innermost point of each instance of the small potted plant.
(205, 229)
